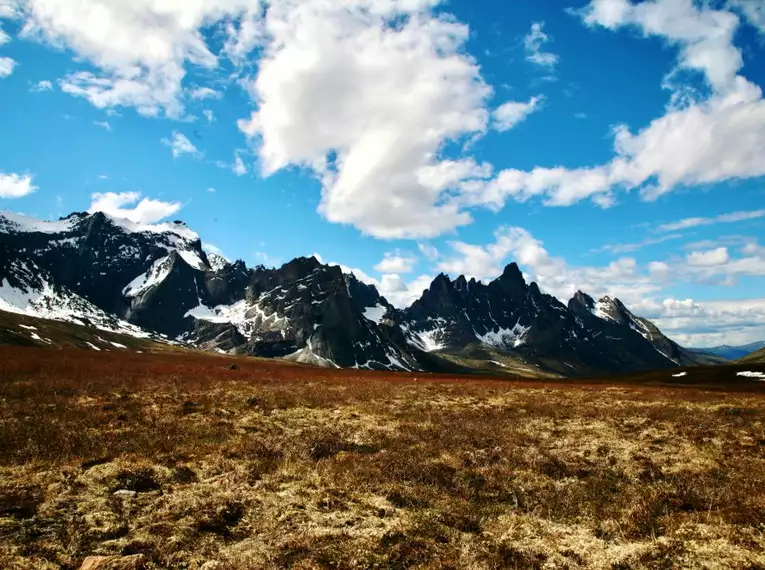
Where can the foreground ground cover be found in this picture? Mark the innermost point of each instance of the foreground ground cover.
(197, 461)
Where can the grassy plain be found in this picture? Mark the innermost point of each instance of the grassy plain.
(193, 464)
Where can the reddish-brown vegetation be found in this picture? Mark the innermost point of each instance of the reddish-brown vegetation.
(192, 464)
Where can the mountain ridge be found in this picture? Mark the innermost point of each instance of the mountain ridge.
(157, 279)
(732, 352)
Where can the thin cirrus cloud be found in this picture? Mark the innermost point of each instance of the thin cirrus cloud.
(635, 246)
(721, 219)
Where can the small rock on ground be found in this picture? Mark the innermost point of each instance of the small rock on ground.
(135, 562)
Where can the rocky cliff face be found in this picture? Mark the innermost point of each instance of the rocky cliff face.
(157, 280)
(517, 317)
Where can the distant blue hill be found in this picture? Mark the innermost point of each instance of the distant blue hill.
(732, 352)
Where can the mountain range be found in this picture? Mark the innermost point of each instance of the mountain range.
(156, 281)
(732, 352)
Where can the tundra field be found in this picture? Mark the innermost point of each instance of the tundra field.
(195, 461)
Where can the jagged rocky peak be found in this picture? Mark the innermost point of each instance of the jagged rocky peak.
(461, 283)
(75, 216)
(511, 282)
(613, 308)
(583, 299)
(302, 267)
(581, 303)
(158, 276)
(513, 273)
(217, 262)
(442, 282)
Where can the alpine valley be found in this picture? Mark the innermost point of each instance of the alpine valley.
(155, 282)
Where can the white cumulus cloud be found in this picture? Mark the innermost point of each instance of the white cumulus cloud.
(130, 206)
(140, 49)
(698, 141)
(7, 65)
(16, 185)
(712, 257)
(413, 89)
(396, 262)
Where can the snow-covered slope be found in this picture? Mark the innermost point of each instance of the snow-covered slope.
(33, 294)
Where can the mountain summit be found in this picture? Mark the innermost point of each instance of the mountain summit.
(156, 280)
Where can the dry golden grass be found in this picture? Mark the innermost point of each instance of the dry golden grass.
(274, 466)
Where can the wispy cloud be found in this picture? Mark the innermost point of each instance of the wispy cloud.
(512, 113)
(201, 93)
(264, 258)
(212, 248)
(721, 219)
(43, 85)
(239, 168)
(104, 125)
(429, 251)
(181, 145)
(534, 43)
(630, 247)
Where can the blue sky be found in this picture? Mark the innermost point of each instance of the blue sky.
(611, 146)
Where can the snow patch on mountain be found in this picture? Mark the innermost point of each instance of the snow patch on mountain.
(18, 223)
(60, 304)
(505, 337)
(178, 229)
(192, 258)
(376, 313)
(217, 262)
(755, 375)
(247, 317)
(306, 355)
(428, 340)
(601, 309)
(155, 275)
